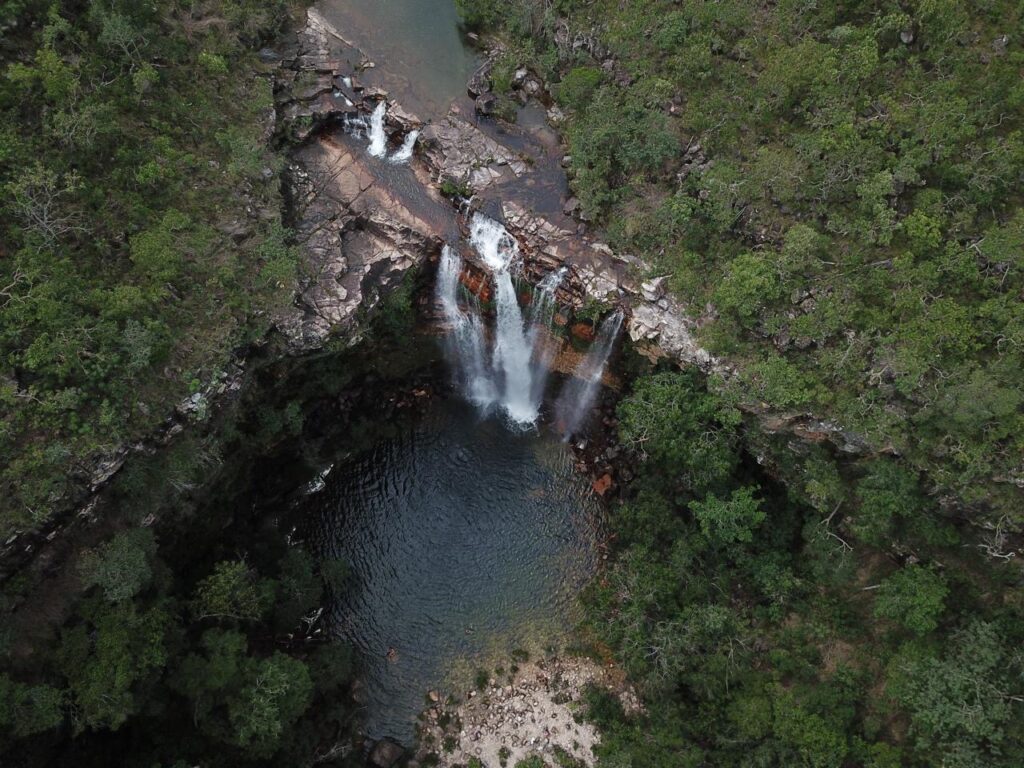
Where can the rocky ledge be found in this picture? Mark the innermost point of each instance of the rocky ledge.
(363, 224)
(537, 711)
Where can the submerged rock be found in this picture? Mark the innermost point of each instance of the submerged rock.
(386, 753)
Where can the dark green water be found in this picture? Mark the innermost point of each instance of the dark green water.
(466, 541)
(416, 45)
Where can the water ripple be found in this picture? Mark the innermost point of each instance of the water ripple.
(463, 539)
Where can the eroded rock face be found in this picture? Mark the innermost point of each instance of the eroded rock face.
(358, 235)
(358, 238)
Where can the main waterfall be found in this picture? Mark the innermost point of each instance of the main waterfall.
(512, 378)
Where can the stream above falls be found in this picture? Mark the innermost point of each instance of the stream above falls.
(416, 46)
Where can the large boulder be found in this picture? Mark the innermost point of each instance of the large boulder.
(458, 150)
(386, 753)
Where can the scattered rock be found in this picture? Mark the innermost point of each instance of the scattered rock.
(486, 104)
(480, 82)
(533, 715)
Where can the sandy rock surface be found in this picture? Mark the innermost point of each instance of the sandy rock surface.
(538, 711)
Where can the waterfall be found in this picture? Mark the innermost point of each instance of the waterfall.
(512, 350)
(467, 344)
(512, 377)
(541, 313)
(577, 397)
(404, 153)
(542, 309)
(378, 139)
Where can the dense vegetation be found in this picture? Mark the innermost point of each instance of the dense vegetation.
(142, 238)
(763, 632)
(840, 182)
(142, 241)
(183, 627)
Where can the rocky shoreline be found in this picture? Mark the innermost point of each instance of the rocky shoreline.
(535, 709)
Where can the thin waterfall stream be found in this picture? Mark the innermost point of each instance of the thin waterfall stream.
(577, 397)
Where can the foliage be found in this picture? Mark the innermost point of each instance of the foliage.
(729, 521)
(913, 597)
(127, 160)
(275, 692)
(232, 591)
(108, 657)
(121, 567)
(685, 432)
(959, 701)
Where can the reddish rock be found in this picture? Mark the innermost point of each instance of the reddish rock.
(583, 332)
(603, 484)
(476, 284)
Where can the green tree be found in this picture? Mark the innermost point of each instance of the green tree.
(275, 692)
(26, 710)
(732, 520)
(688, 433)
(887, 493)
(106, 658)
(121, 567)
(232, 591)
(914, 597)
(750, 284)
(807, 736)
(961, 703)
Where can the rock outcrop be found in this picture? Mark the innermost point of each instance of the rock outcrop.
(358, 237)
(531, 713)
(359, 234)
(457, 150)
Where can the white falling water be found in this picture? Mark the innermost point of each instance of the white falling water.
(512, 357)
(378, 139)
(467, 338)
(578, 396)
(542, 309)
(404, 152)
(513, 376)
(542, 312)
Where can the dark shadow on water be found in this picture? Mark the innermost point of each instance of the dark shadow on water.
(466, 541)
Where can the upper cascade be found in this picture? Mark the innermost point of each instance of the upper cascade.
(378, 138)
(493, 243)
